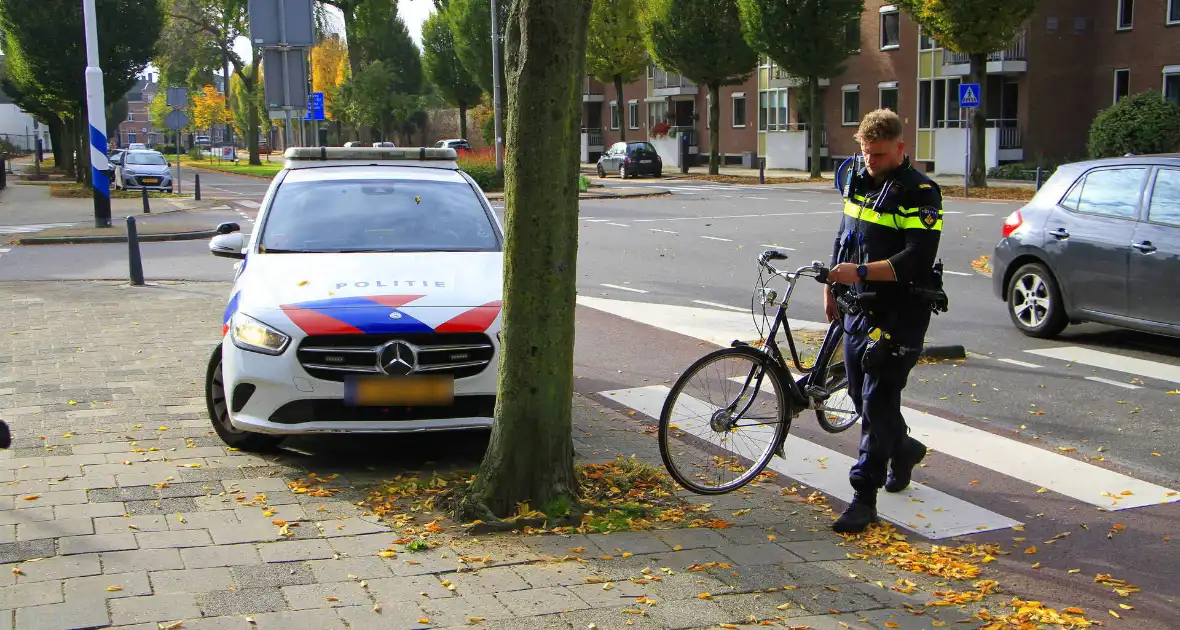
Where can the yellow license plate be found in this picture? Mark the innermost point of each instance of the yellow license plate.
(151, 180)
(408, 391)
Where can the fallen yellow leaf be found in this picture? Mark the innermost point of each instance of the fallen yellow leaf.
(176, 626)
(32, 497)
(331, 599)
(423, 620)
(1031, 550)
(1126, 607)
(474, 619)
(704, 596)
(892, 624)
(114, 588)
(1114, 614)
(1073, 610)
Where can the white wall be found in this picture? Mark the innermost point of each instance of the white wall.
(786, 149)
(950, 150)
(18, 127)
(669, 150)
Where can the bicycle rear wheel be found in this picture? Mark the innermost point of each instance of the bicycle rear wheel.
(837, 412)
(727, 427)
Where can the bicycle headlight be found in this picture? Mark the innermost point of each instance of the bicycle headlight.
(250, 334)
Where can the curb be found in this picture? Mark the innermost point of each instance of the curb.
(944, 352)
(145, 238)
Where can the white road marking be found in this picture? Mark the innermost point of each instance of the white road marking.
(716, 305)
(1099, 379)
(951, 212)
(618, 224)
(758, 198)
(981, 214)
(934, 514)
(621, 288)
(33, 227)
(1118, 363)
(718, 238)
(662, 231)
(596, 220)
(706, 324)
(1046, 469)
(957, 273)
(779, 247)
(249, 204)
(1020, 363)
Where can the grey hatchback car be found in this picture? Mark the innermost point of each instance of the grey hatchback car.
(1100, 242)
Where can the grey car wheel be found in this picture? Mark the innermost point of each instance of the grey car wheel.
(1034, 302)
(622, 172)
(601, 171)
(217, 404)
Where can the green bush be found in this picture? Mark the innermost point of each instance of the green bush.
(166, 149)
(481, 166)
(489, 131)
(195, 154)
(1140, 123)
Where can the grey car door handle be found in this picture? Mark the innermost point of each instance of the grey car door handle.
(1144, 246)
(1059, 233)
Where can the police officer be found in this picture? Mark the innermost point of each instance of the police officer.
(886, 246)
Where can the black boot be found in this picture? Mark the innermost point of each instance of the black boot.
(5, 435)
(901, 469)
(859, 514)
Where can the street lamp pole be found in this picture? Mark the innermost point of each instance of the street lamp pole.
(496, 104)
(96, 110)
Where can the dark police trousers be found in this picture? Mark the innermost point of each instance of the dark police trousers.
(877, 396)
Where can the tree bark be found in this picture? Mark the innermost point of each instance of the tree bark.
(979, 123)
(463, 119)
(619, 99)
(714, 115)
(530, 456)
(814, 127)
(65, 158)
(252, 124)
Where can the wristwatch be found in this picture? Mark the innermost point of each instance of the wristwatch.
(862, 272)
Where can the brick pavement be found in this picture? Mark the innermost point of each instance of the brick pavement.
(120, 508)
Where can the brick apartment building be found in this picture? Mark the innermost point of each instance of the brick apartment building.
(138, 127)
(1070, 61)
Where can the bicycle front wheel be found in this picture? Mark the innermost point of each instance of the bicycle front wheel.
(723, 420)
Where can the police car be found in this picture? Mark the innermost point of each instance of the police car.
(366, 300)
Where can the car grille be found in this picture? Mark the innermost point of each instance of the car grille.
(139, 179)
(335, 357)
(301, 411)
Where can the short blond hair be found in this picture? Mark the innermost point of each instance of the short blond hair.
(879, 124)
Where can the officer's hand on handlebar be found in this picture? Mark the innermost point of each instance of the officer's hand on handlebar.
(843, 273)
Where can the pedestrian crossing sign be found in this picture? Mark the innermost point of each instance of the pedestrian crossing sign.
(968, 95)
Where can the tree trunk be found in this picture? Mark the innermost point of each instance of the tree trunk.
(979, 123)
(714, 115)
(619, 99)
(463, 119)
(55, 139)
(252, 124)
(64, 148)
(530, 456)
(814, 127)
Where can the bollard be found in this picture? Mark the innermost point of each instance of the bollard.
(1039, 174)
(133, 253)
(147, 207)
(197, 186)
(761, 170)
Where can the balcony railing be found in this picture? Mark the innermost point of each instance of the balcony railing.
(593, 136)
(1010, 136)
(1018, 51)
(664, 79)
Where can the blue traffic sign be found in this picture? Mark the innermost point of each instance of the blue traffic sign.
(968, 95)
(315, 106)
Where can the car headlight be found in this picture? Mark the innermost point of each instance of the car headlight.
(250, 334)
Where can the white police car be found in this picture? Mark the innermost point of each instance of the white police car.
(367, 299)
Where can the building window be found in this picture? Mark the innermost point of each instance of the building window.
(938, 104)
(1172, 84)
(852, 35)
(890, 28)
(851, 95)
(1122, 84)
(1126, 14)
(1079, 25)
(888, 96)
(614, 115)
(925, 41)
(633, 114)
(130, 138)
(130, 116)
(1051, 24)
(657, 113)
(739, 110)
(772, 110)
(1173, 11)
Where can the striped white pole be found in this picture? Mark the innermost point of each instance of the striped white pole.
(96, 109)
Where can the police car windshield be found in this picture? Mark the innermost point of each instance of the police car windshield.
(149, 159)
(377, 216)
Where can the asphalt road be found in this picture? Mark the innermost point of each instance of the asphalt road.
(221, 186)
(1097, 402)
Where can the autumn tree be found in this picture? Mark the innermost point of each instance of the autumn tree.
(445, 70)
(209, 108)
(976, 29)
(329, 68)
(703, 41)
(530, 456)
(615, 50)
(806, 38)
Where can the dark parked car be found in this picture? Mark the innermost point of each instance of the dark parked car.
(1100, 242)
(631, 159)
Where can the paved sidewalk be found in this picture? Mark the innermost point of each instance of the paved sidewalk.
(119, 508)
(737, 171)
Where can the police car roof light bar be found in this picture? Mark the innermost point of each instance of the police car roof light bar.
(423, 154)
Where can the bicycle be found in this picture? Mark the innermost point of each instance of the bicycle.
(766, 367)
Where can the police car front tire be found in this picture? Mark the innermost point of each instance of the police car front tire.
(217, 404)
(1034, 302)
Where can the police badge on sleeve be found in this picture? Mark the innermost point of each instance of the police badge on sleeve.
(928, 215)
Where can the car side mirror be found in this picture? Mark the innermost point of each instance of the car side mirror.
(228, 245)
(228, 228)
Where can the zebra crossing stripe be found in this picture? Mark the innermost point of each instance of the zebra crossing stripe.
(921, 509)
(1114, 362)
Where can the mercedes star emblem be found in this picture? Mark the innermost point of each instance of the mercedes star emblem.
(396, 358)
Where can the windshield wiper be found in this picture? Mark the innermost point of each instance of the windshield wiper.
(267, 250)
